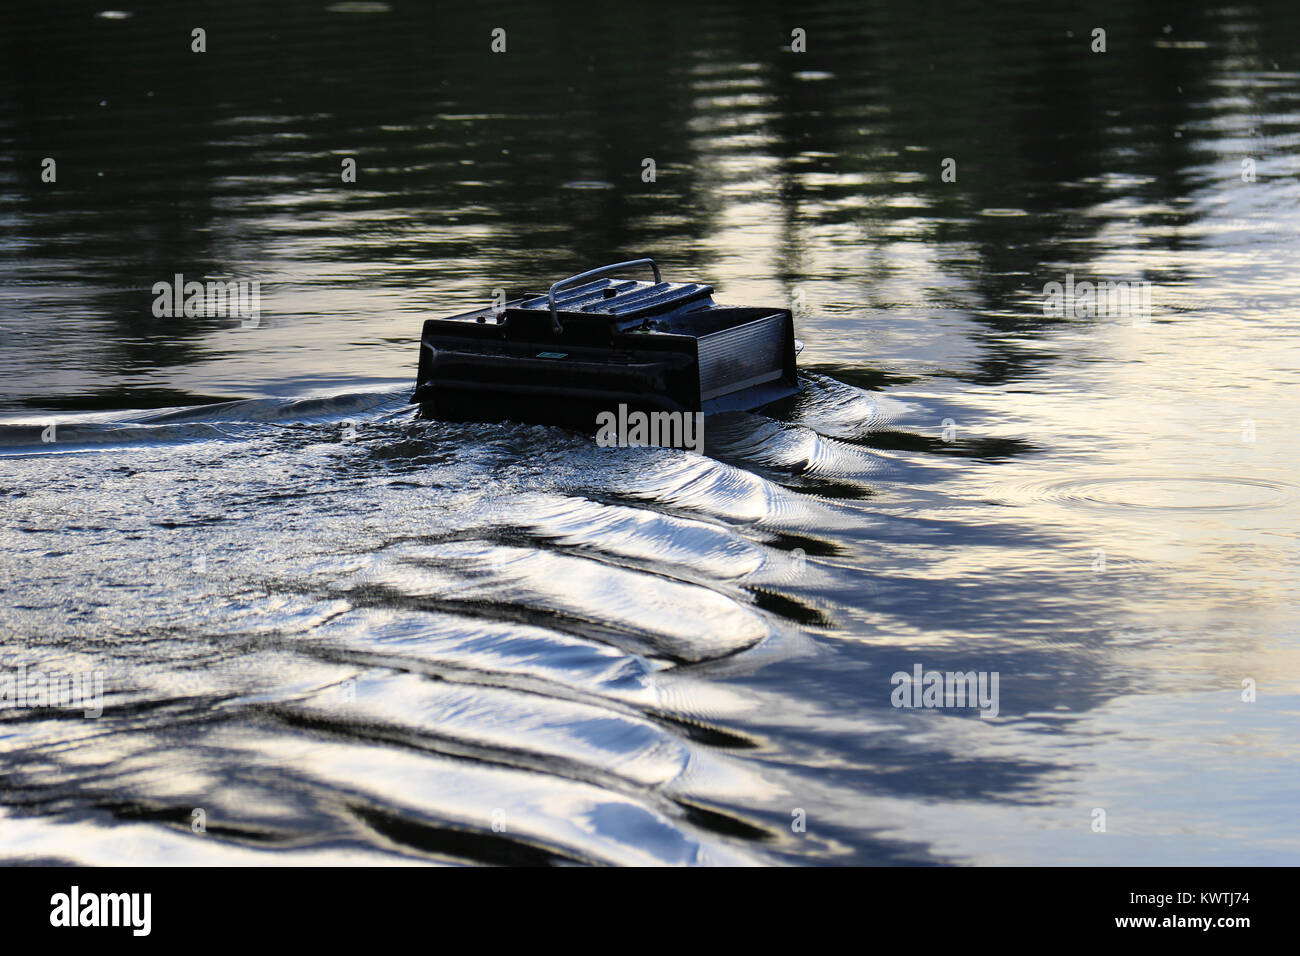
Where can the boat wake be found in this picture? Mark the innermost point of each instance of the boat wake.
(343, 632)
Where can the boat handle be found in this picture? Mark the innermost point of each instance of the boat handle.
(594, 274)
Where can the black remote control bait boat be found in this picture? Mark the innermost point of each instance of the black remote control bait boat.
(593, 343)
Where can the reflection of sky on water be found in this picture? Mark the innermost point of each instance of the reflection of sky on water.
(1164, 445)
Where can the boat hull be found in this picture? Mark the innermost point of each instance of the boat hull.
(669, 349)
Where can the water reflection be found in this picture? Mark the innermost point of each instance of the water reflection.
(654, 657)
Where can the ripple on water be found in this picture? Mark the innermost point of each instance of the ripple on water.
(704, 486)
(675, 545)
(636, 610)
(504, 725)
(790, 453)
(838, 410)
(1158, 493)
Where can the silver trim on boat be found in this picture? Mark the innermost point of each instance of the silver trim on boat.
(737, 358)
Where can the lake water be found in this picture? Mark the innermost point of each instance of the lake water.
(329, 631)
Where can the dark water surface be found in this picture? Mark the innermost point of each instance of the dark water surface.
(498, 643)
